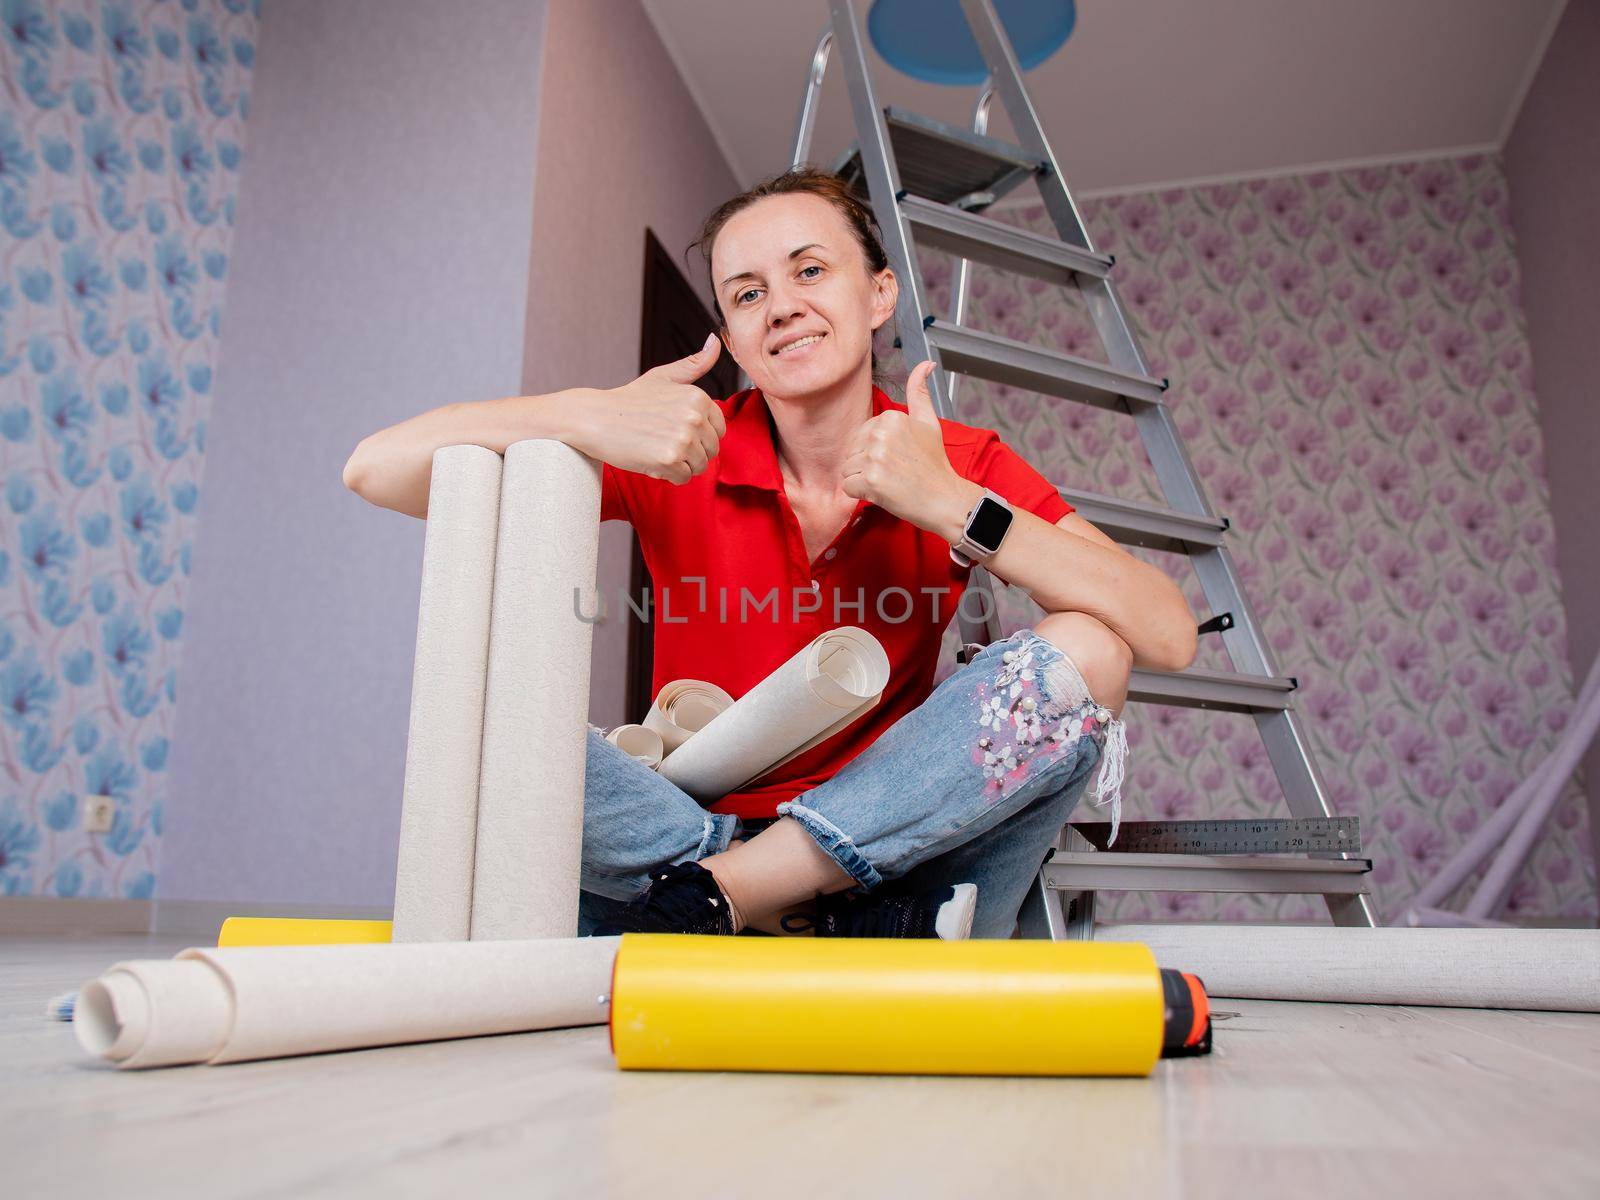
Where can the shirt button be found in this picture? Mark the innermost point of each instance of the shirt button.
(831, 553)
(815, 586)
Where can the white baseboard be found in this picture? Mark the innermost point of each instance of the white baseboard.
(54, 915)
(196, 918)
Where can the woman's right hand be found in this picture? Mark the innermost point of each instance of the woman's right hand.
(659, 425)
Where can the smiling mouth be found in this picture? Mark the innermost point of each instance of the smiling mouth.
(808, 340)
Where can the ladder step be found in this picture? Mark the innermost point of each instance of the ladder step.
(944, 162)
(1096, 870)
(1001, 360)
(1227, 691)
(1000, 245)
(1148, 525)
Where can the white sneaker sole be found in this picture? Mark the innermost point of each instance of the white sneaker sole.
(954, 922)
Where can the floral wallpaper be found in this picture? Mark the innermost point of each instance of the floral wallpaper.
(1351, 375)
(121, 138)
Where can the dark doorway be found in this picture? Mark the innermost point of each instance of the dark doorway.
(675, 324)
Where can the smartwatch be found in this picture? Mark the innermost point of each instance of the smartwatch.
(985, 529)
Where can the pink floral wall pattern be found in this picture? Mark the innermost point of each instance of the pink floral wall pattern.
(1350, 372)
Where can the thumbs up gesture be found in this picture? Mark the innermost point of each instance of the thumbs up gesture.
(897, 460)
(659, 425)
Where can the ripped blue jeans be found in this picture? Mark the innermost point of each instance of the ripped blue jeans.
(971, 786)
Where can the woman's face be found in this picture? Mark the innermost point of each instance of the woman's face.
(786, 269)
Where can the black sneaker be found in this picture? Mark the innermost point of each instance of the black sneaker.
(944, 912)
(683, 898)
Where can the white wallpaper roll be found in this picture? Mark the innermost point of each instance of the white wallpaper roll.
(684, 707)
(536, 706)
(1462, 968)
(819, 691)
(439, 810)
(227, 1005)
(638, 741)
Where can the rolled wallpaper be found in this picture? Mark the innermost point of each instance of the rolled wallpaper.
(536, 704)
(639, 741)
(229, 1005)
(439, 808)
(683, 707)
(825, 686)
(885, 1006)
(1463, 968)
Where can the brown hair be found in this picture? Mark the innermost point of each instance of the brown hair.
(811, 181)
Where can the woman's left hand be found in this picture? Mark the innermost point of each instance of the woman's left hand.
(897, 461)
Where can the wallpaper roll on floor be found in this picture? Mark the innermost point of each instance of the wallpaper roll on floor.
(228, 1005)
(639, 741)
(819, 691)
(1462, 968)
(683, 707)
(303, 931)
(881, 1006)
(439, 810)
(536, 704)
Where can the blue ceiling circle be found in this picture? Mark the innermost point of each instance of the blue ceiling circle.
(930, 40)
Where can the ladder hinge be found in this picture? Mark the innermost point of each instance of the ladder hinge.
(1217, 623)
(902, 194)
(927, 322)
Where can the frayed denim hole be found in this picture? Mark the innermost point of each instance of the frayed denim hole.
(1063, 684)
(1068, 691)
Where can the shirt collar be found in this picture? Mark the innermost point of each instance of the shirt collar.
(747, 455)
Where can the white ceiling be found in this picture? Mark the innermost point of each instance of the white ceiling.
(1154, 92)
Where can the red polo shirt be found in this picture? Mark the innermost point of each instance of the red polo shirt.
(727, 545)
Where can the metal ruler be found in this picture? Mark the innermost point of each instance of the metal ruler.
(1306, 835)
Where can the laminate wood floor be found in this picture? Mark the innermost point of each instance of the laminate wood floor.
(1299, 1100)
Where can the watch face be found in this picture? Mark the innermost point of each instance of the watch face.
(989, 523)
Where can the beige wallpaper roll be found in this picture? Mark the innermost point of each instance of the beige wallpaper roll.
(638, 741)
(439, 808)
(684, 707)
(536, 705)
(825, 686)
(1462, 968)
(213, 1005)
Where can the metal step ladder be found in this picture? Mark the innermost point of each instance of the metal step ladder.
(928, 182)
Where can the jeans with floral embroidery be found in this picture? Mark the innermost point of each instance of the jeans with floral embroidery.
(970, 787)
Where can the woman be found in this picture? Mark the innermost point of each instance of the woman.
(810, 501)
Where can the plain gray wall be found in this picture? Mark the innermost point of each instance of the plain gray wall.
(380, 269)
(1553, 166)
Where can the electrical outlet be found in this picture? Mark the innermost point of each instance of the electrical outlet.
(98, 813)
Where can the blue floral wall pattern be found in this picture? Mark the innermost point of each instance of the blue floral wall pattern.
(121, 139)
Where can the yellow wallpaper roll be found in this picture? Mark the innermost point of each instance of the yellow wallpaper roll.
(882, 1006)
(301, 931)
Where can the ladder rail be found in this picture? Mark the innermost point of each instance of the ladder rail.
(805, 125)
(960, 284)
